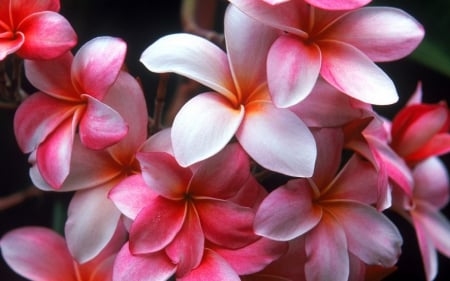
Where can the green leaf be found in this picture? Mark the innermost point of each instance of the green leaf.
(433, 56)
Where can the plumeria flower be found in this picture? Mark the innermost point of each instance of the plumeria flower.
(34, 29)
(40, 254)
(92, 217)
(328, 4)
(422, 209)
(340, 46)
(239, 103)
(71, 90)
(334, 214)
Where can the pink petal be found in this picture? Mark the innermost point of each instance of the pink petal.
(203, 126)
(97, 64)
(431, 182)
(295, 212)
(163, 175)
(91, 223)
(149, 267)
(338, 5)
(326, 251)
(292, 70)
(20, 9)
(396, 34)
(277, 140)
(9, 46)
(186, 250)
(29, 250)
(194, 57)
(159, 142)
(225, 223)
(131, 195)
(222, 175)
(212, 268)
(156, 225)
(438, 145)
(353, 73)
(101, 126)
(47, 34)
(371, 236)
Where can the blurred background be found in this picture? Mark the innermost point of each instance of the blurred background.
(141, 22)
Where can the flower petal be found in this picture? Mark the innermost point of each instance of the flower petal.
(353, 73)
(20, 9)
(203, 126)
(8, 46)
(292, 70)
(295, 212)
(338, 5)
(431, 182)
(277, 140)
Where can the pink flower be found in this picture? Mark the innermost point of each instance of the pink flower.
(328, 4)
(334, 214)
(40, 254)
(34, 29)
(239, 104)
(92, 217)
(341, 46)
(70, 100)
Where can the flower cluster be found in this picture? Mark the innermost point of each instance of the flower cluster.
(289, 98)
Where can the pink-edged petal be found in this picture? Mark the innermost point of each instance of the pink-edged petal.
(396, 34)
(186, 250)
(97, 64)
(222, 175)
(9, 46)
(29, 250)
(277, 140)
(163, 175)
(338, 5)
(225, 223)
(156, 225)
(326, 251)
(212, 268)
(47, 34)
(254, 257)
(37, 117)
(248, 71)
(131, 195)
(203, 126)
(53, 156)
(91, 223)
(353, 73)
(194, 57)
(101, 126)
(292, 70)
(431, 182)
(295, 212)
(371, 236)
(149, 267)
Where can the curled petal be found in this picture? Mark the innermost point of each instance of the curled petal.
(8, 46)
(203, 126)
(353, 73)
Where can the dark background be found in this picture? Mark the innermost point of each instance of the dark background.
(141, 22)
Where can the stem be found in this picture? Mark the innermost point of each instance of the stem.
(159, 103)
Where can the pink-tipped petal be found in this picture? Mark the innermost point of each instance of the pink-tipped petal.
(277, 140)
(353, 73)
(193, 57)
(150, 267)
(47, 34)
(295, 212)
(338, 5)
(396, 34)
(97, 64)
(431, 182)
(203, 126)
(29, 250)
(101, 126)
(292, 70)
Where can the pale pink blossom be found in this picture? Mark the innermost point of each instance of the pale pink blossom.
(34, 29)
(70, 99)
(239, 103)
(340, 46)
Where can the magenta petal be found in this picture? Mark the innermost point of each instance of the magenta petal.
(353, 73)
(292, 70)
(47, 35)
(29, 250)
(23, 8)
(156, 225)
(149, 267)
(8, 46)
(101, 126)
(295, 212)
(97, 64)
(203, 126)
(339, 4)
